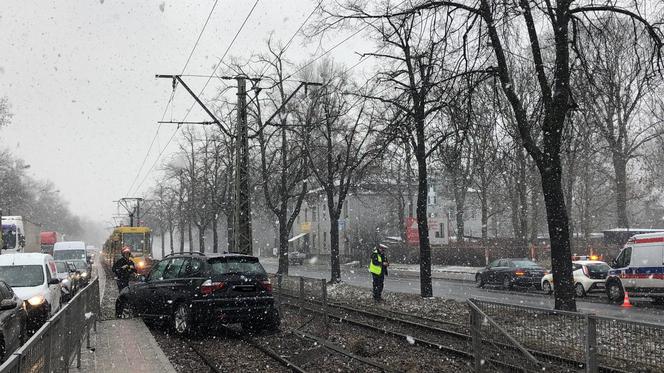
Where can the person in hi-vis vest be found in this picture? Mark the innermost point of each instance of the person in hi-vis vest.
(378, 268)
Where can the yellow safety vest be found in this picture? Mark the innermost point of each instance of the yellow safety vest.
(376, 269)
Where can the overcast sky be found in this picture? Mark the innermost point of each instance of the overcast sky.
(79, 75)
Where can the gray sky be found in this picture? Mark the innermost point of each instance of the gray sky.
(79, 75)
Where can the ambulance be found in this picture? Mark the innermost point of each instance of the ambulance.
(638, 269)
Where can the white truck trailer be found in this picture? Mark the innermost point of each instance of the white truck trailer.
(20, 235)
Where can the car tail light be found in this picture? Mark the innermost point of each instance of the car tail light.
(267, 285)
(520, 272)
(209, 287)
(586, 271)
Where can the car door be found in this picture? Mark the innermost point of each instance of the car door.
(53, 289)
(488, 273)
(10, 320)
(188, 279)
(497, 271)
(165, 291)
(145, 294)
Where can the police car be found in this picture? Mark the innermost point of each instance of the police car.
(638, 269)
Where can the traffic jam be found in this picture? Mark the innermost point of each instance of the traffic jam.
(38, 276)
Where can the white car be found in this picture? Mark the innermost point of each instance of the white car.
(33, 277)
(589, 275)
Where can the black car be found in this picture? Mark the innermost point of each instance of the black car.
(13, 321)
(194, 289)
(511, 272)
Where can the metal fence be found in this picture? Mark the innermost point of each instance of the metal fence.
(560, 338)
(310, 293)
(58, 342)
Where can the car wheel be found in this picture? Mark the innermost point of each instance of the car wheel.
(124, 311)
(182, 319)
(547, 288)
(507, 282)
(614, 292)
(579, 290)
(479, 281)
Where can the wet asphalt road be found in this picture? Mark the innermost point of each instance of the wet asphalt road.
(596, 304)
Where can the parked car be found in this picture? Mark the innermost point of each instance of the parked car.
(13, 321)
(510, 272)
(33, 277)
(195, 289)
(588, 275)
(69, 279)
(296, 257)
(638, 269)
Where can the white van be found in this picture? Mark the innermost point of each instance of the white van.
(638, 269)
(33, 277)
(70, 250)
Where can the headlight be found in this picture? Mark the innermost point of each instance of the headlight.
(36, 300)
(141, 264)
(84, 274)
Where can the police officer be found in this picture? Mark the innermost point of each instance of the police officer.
(123, 268)
(378, 268)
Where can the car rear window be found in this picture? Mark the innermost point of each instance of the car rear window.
(22, 276)
(223, 266)
(525, 264)
(69, 254)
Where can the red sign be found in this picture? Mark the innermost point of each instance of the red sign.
(412, 232)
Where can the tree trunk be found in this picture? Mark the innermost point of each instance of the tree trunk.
(170, 239)
(283, 245)
(460, 225)
(181, 231)
(163, 243)
(215, 235)
(201, 238)
(523, 199)
(561, 250)
(534, 209)
(426, 287)
(230, 238)
(335, 270)
(485, 213)
(190, 235)
(620, 168)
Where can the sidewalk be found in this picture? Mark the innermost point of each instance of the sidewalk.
(123, 346)
(457, 273)
(120, 345)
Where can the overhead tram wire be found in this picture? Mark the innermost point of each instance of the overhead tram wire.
(156, 134)
(199, 94)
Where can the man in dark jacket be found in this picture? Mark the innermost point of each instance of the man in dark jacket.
(123, 268)
(378, 268)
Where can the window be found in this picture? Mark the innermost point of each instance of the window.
(314, 213)
(504, 263)
(495, 263)
(624, 258)
(242, 265)
(5, 291)
(173, 268)
(22, 275)
(313, 241)
(191, 268)
(441, 230)
(306, 214)
(158, 271)
(346, 209)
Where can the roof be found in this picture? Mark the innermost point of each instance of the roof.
(23, 259)
(588, 262)
(191, 254)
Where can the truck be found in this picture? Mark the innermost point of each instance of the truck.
(48, 239)
(19, 235)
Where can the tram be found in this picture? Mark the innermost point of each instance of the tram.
(139, 240)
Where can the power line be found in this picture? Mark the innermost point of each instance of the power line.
(200, 93)
(156, 134)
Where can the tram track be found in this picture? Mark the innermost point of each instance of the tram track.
(443, 335)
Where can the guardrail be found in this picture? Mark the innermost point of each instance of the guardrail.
(58, 342)
(596, 341)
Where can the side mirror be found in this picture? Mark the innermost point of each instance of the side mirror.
(54, 281)
(7, 304)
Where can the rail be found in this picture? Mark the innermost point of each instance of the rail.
(59, 341)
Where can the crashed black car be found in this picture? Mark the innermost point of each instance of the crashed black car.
(192, 290)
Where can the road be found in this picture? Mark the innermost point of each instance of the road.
(460, 291)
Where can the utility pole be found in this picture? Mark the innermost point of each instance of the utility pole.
(242, 231)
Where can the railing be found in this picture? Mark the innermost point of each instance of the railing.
(58, 342)
(595, 341)
(311, 292)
